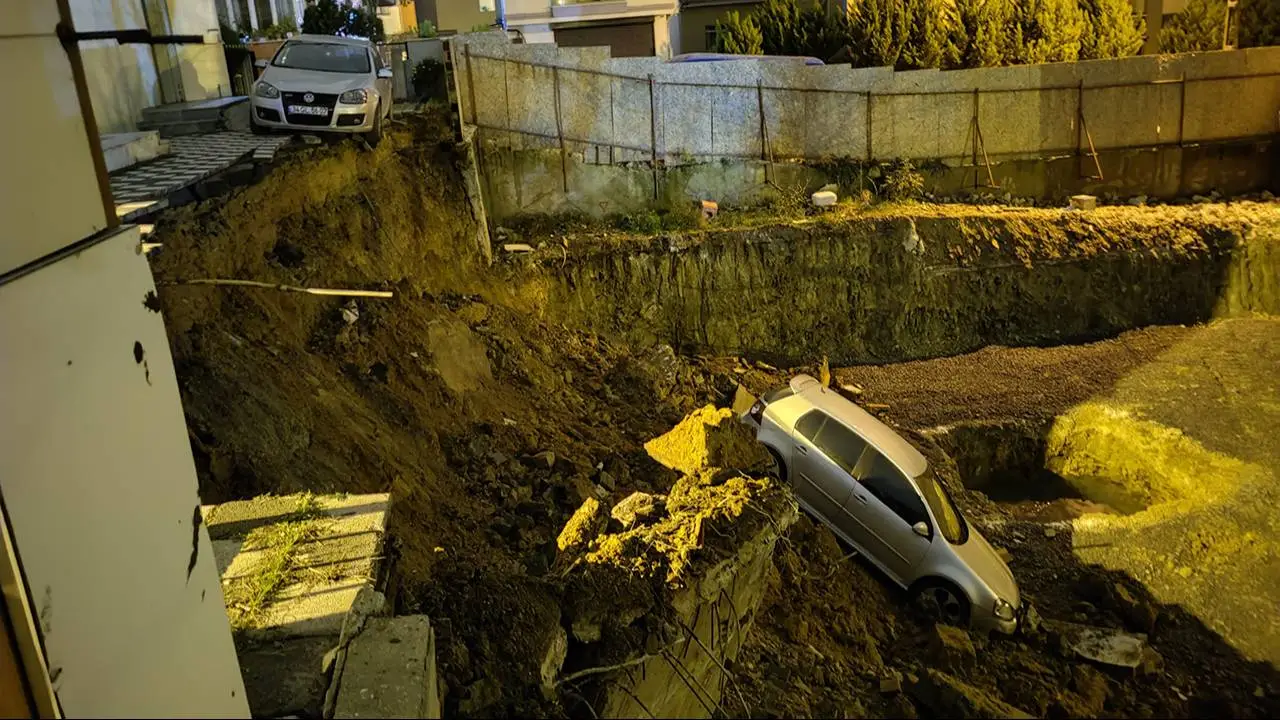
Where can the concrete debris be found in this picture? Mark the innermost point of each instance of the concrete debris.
(707, 437)
(350, 312)
(1138, 200)
(823, 199)
(891, 683)
(390, 671)
(546, 456)
(952, 648)
(587, 522)
(607, 481)
(517, 248)
(742, 400)
(1084, 202)
(710, 209)
(639, 508)
(1101, 645)
(1031, 621)
(1150, 662)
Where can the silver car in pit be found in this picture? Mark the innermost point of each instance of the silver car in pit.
(879, 494)
(325, 84)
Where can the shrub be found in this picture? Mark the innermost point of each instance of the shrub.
(1111, 29)
(902, 182)
(429, 80)
(334, 17)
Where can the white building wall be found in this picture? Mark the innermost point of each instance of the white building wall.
(96, 474)
(122, 79)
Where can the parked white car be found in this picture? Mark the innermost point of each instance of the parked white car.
(878, 493)
(323, 83)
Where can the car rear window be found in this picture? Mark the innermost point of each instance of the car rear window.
(325, 57)
(781, 393)
(890, 487)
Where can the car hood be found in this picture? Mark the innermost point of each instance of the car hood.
(289, 79)
(982, 558)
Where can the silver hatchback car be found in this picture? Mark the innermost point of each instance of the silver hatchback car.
(878, 493)
(323, 83)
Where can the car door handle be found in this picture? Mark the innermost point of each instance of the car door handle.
(802, 450)
(860, 498)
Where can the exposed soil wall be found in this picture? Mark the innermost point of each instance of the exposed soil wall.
(894, 286)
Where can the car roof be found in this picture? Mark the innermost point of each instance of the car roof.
(332, 39)
(880, 436)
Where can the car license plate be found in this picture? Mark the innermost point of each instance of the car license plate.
(308, 110)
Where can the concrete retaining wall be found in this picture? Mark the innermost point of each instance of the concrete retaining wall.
(609, 111)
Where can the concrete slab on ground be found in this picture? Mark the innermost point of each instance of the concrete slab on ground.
(122, 150)
(192, 158)
(293, 568)
(390, 671)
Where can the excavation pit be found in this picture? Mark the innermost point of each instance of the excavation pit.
(1008, 463)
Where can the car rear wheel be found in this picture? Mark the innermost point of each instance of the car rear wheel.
(941, 601)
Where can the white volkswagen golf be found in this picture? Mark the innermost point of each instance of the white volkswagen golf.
(322, 83)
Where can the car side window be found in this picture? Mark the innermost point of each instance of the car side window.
(377, 60)
(892, 488)
(810, 424)
(840, 444)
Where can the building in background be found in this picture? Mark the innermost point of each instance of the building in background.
(398, 17)
(630, 28)
(451, 17)
(124, 79)
(698, 20)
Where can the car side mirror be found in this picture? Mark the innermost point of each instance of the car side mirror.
(921, 529)
(260, 64)
(385, 73)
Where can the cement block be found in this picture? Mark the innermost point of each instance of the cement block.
(1083, 202)
(390, 671)
(823, 199)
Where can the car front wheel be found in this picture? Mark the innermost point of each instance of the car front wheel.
(941, 601)
(374, 136)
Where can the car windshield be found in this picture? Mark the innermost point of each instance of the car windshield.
(950, 522)
(325, 57)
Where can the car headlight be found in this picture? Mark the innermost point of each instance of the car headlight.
(265, 90)
(1003, 609)
(353, 97)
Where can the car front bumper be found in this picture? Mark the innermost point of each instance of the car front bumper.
(343, 118)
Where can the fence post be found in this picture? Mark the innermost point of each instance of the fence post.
(870, 154)
(1182, 110)
(653, 136)
(564, 160)
(1080, 129)
(975, 138)
(471, 86)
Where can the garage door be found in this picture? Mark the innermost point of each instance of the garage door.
(629, 38)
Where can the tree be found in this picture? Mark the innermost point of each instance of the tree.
(983, 34)
(1197, 28)
(331, 17)
(880, 30)
(928, 23)
(1111, 29)
(738, 34)
(1050, 30)
(1259, 23)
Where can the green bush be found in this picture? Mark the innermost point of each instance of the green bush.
(902, 182)
(427, 29)
(429, 80)
(1259, 23)
(1111, 29)
(1197, 28)
(738, 34)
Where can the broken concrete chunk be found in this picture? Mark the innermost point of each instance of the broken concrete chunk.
(554, 660)
(587, 522)
(946, 696)
(1100, 645)
(546, 457)
(891, 683)
(742, 400)
(1149, 662)
(390, 671)
(517, 248)
(707, 437)
(823, 198)
(952, 648)
(639, 509)
(1084, 202)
